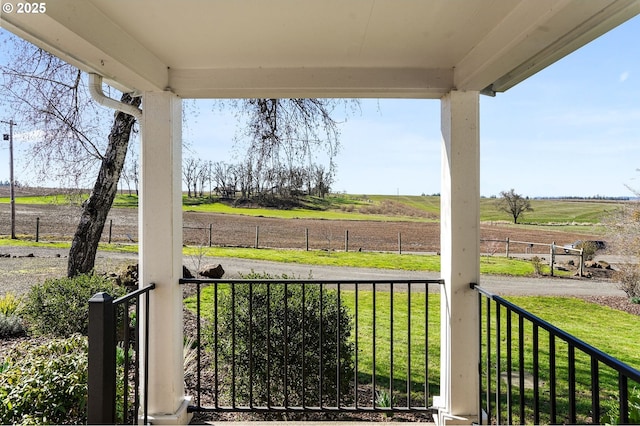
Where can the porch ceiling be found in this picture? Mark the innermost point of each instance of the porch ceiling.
(328, 48)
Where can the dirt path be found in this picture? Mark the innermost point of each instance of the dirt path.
(20, 271)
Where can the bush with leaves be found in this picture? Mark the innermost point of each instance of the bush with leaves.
(284, 343)
(9, 304)
(60, 306)
(624, 233)
(589, 249)
(10, 326)
(628, 279)
(10, 323)
(611, 408)
(45, 383)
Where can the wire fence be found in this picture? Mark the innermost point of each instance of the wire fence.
(262, 233)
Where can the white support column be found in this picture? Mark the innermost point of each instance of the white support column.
(160, 234)
(460, 262)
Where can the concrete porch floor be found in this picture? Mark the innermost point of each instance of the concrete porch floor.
(311, 423)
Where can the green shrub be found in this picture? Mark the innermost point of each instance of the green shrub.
(611, 409)
(10, 325)
(45, 383)
(537, 265)
(266, 369)
(9, 304)
(60, 306)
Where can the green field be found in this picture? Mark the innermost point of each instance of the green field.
(548, 212)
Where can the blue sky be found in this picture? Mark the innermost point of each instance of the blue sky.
(572, 129)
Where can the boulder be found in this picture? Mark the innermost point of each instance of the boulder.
(212, 271)
(604, 265)
(186, 273)
(128, 276)
(592, 264)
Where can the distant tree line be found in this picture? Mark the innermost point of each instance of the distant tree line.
(593, 197)
(254, 180)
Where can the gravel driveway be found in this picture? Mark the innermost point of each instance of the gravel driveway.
(19, 271)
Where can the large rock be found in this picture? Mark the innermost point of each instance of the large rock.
(128, 276)
(592, 264)
(186, 273)
(212, 271)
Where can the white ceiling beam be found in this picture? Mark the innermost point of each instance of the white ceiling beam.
(551, 33)
(312, 82)
(502, 48)
(589, 30)
(80, 34)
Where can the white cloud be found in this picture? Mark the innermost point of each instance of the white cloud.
(624, 76)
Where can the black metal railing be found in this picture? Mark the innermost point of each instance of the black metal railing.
(533, 372)
(114, 362)
(315, 346)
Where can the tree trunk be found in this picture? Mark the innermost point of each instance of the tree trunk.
(82, 255)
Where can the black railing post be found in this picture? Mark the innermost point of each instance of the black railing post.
(101, 407)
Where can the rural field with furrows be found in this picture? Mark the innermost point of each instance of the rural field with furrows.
(368, 223)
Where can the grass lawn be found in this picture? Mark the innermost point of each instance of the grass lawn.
(410, 262)
(394, 261)
(587, 321)
(613, 332)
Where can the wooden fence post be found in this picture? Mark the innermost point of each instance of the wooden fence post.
(346, 240)
(101, 385)
(553, 257)
(306, 237)
(257, 235)
(37, 229)
(210, 234)
(399, 243)
(507, 247)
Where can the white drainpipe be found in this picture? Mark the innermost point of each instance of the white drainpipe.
(95, 89)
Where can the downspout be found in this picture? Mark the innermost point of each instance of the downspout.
(95, 89)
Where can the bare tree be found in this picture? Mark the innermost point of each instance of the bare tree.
(51, 97)
(84, 246)
(289, 132)
(189, 173)
(624, 232)
(322, 180)
(514, 204)
(202, 174)
(133, 170)
(226, 177)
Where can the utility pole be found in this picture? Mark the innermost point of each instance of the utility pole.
(12, 194)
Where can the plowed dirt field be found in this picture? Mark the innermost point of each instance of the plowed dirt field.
(58, 222)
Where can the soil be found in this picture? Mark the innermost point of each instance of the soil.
(58, 222)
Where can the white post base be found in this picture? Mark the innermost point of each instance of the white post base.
(444, 418)
(180, 417)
